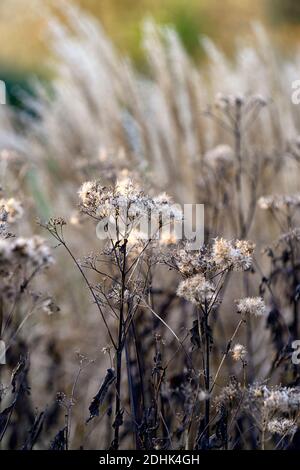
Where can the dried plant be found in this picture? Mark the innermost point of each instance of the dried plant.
(155, 345)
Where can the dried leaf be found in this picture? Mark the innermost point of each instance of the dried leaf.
(18, 374)
(59, 442)
(5, 415)
(195, 337)
(99, 398)
(34, 432)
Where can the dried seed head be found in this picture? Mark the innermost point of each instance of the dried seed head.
(196, 289)
(251, 306)
(277, 399)
(89, 194)
(13, 208)
(239, 352)
(221, 160)
(235, 255)
(279, 203)
(282, 426)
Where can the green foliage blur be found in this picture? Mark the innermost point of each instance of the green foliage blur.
(122, 19)
(223, 21)
(284, 11)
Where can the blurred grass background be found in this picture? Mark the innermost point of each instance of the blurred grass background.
(23, 28)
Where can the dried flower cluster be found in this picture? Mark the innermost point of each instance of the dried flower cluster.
(196, 289)
(281, 399)
(222, 255)
(254, 306)
(279, 203)
(31, 251)
(13, 208)
(239, 352)
(129, 206)
(282, 427)
(236, 255)
(221, 160)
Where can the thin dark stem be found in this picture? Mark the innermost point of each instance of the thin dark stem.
(131, 395)
(295, 285)
(140, 369)
(207, 378)
(119, 352)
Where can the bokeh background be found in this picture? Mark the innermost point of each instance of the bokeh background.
(23, 49)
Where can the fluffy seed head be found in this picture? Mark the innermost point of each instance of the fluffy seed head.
(235, 255)
(13, 208)
(282, 426)
(251, 306)
(196, 289)
(89, 194)
(239, 352)
(279, 203)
